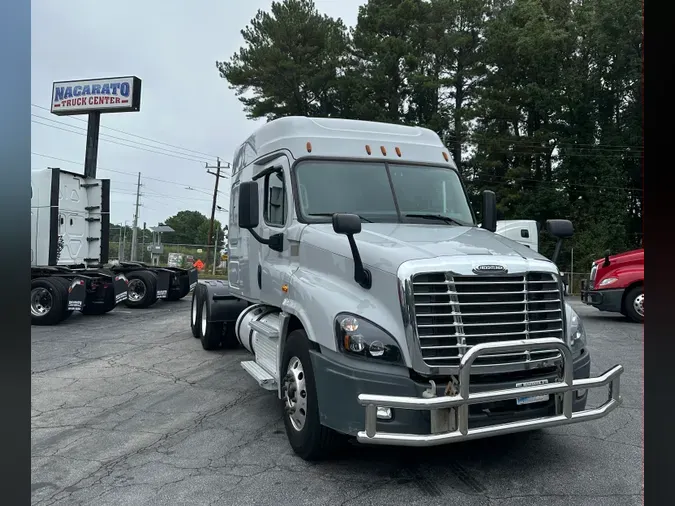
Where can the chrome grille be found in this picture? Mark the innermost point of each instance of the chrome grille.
(454, 313)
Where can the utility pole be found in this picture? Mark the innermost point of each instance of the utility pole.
(119, 246)
(143, 247)
(215, 253)
(215, 196)
(134, 234)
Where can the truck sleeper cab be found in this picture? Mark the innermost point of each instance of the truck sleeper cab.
(373, 304)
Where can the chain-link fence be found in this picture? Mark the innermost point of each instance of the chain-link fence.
(173, 255)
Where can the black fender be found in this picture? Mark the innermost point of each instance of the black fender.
(193, 277)
(163, 282)
(223, 306)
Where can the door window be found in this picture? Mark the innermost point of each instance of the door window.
(275, 199)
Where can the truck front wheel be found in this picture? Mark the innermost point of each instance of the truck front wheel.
(309, 439)
(634, 304)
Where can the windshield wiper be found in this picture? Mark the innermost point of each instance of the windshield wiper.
(439, 217)
(331, 215)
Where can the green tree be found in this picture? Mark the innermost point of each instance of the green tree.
(290, 64)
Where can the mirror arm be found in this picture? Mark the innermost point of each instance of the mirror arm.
(258, 238)
(361, 275)
(556, 252)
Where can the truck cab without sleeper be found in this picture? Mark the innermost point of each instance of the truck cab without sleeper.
(70, 224)
(375, 307)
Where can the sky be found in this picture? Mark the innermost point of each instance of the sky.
(188, 115)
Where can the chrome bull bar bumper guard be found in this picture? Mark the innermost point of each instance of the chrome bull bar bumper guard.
(459, 404)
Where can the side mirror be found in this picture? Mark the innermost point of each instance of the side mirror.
(562, 229)
(346, 224)
(607, 263)
(489, 217)
(350, 224)
(248, 205)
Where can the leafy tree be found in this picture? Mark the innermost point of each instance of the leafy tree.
(290, 63)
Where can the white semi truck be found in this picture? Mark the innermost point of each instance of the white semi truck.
(375, 307)
(70, 224)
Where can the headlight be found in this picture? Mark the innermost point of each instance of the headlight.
(359, 337)
(608, 281)
(576, 333)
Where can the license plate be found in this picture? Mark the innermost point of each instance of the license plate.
(532, 399)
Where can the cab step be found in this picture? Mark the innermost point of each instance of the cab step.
(264, 379)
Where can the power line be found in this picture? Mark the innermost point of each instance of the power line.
(126, 173)
(119, 143)
(136, 135)
(178, 153)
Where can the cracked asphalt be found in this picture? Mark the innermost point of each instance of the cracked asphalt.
(128, 409)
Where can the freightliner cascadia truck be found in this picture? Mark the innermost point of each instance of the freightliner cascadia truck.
(70, 224)
(374, 305)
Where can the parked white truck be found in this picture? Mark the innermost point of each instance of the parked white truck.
(375, 307)
(70, 225)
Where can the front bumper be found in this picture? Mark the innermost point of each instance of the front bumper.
(604, 300)
(419, 421)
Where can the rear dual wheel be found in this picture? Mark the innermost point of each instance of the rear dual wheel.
(212, 334)
(48, 301)
(142, 289)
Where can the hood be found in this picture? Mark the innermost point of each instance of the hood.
(386, 246)
(626, 257)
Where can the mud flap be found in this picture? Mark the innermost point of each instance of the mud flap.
(121, 285)
(77, 293)
(163, 282)
(193, 276)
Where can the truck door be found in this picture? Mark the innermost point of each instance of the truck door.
(275, 267)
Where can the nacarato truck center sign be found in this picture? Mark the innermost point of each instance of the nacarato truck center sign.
(115, 94)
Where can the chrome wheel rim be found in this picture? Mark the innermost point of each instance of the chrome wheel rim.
(194, 311)
(295, 394)
(639, 305)
(203, 326)
(41, 301)
(136, 290)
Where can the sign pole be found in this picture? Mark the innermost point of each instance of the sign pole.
(91, 154)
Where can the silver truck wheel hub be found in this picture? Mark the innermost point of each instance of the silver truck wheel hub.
(204, 324)
(639, 305)
(136, 290)
(40, 301)
(295, 394)
(194, 313)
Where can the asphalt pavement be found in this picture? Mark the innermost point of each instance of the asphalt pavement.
(128, 409)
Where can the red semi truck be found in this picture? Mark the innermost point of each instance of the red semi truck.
(617, 284)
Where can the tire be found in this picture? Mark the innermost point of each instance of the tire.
(196, 309)
(47, 301)
(66, 285)
(309, 439)
(210, 333)
(634, 303)
(143, 289)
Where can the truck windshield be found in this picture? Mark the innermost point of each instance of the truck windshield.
(424, 194)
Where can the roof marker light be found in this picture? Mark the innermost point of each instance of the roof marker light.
(309, 147)
(398, 151)
(384, 151)
(445, 156)
(368, 149)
